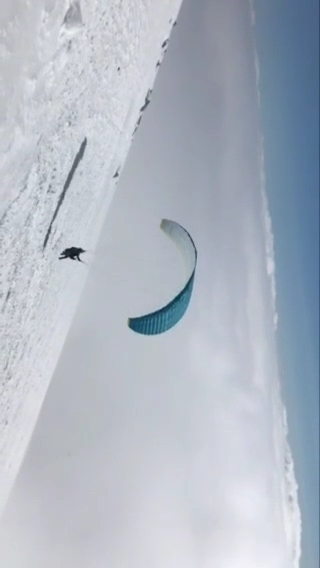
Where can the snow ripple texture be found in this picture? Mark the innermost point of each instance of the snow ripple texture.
(70, 72)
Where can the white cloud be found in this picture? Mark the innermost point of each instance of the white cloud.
(252, 13)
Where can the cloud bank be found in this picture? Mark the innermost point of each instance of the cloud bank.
(291, 509)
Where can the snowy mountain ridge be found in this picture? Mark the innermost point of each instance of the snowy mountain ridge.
(78, 87)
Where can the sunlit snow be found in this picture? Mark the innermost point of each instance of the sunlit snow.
(74, 78)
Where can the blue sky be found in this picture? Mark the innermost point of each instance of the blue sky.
(288, 45)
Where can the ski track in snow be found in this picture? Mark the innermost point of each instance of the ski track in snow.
(75, 164)
(73, 72)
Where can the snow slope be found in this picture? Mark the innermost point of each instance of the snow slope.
(74, 77)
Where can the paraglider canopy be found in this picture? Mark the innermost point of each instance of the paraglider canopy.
(169, 315)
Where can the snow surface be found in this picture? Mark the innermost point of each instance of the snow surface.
(74, 77)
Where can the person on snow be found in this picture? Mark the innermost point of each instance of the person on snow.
(73, 253)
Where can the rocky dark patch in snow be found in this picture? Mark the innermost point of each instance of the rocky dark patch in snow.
(147, 100)
(137, 125)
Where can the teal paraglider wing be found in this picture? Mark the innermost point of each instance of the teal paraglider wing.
(169, 315)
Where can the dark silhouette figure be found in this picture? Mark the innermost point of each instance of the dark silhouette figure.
(146, 101)
(73, 253)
